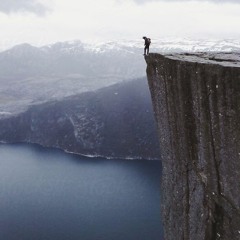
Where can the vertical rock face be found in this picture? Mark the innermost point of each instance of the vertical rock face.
(196, 100)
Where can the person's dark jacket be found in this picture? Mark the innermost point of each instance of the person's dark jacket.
(147, 43)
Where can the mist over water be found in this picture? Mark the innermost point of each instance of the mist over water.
(47, 195)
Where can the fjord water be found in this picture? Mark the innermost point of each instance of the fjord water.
(46, 194)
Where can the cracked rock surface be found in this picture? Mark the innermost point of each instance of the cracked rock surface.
(196, 100)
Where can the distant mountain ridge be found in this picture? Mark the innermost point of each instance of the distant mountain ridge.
(107, 58)
(62, 59)
(30, 75)
(160, 45)
(113, 122)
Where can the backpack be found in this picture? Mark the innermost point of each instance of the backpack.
(149, 41)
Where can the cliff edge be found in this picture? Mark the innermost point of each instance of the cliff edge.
(196, 100)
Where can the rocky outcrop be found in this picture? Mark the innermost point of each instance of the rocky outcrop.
(113, 122)
(196, 100)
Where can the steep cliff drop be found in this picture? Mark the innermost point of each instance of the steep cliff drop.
(196, 100)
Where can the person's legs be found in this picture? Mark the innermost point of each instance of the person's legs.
(145, 50)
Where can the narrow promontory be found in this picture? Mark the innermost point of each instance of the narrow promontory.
(196, 100)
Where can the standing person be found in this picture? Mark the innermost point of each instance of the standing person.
(146, 44)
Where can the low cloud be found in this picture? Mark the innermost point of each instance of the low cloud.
(32, 6)
(213, 1)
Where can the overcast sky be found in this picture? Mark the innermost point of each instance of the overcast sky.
(46, 21)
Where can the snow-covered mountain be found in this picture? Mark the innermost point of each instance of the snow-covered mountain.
(112, 59)
(202, 45)
(31, 74)
(158, 45)
(168, 45)
(66, 58)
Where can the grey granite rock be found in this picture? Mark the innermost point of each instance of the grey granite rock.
(196, 100)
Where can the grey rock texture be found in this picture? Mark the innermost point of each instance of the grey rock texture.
(113, 122)
(196, 100)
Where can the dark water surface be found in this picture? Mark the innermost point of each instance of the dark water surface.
(49, 195)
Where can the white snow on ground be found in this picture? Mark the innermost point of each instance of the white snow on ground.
(169, 45)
